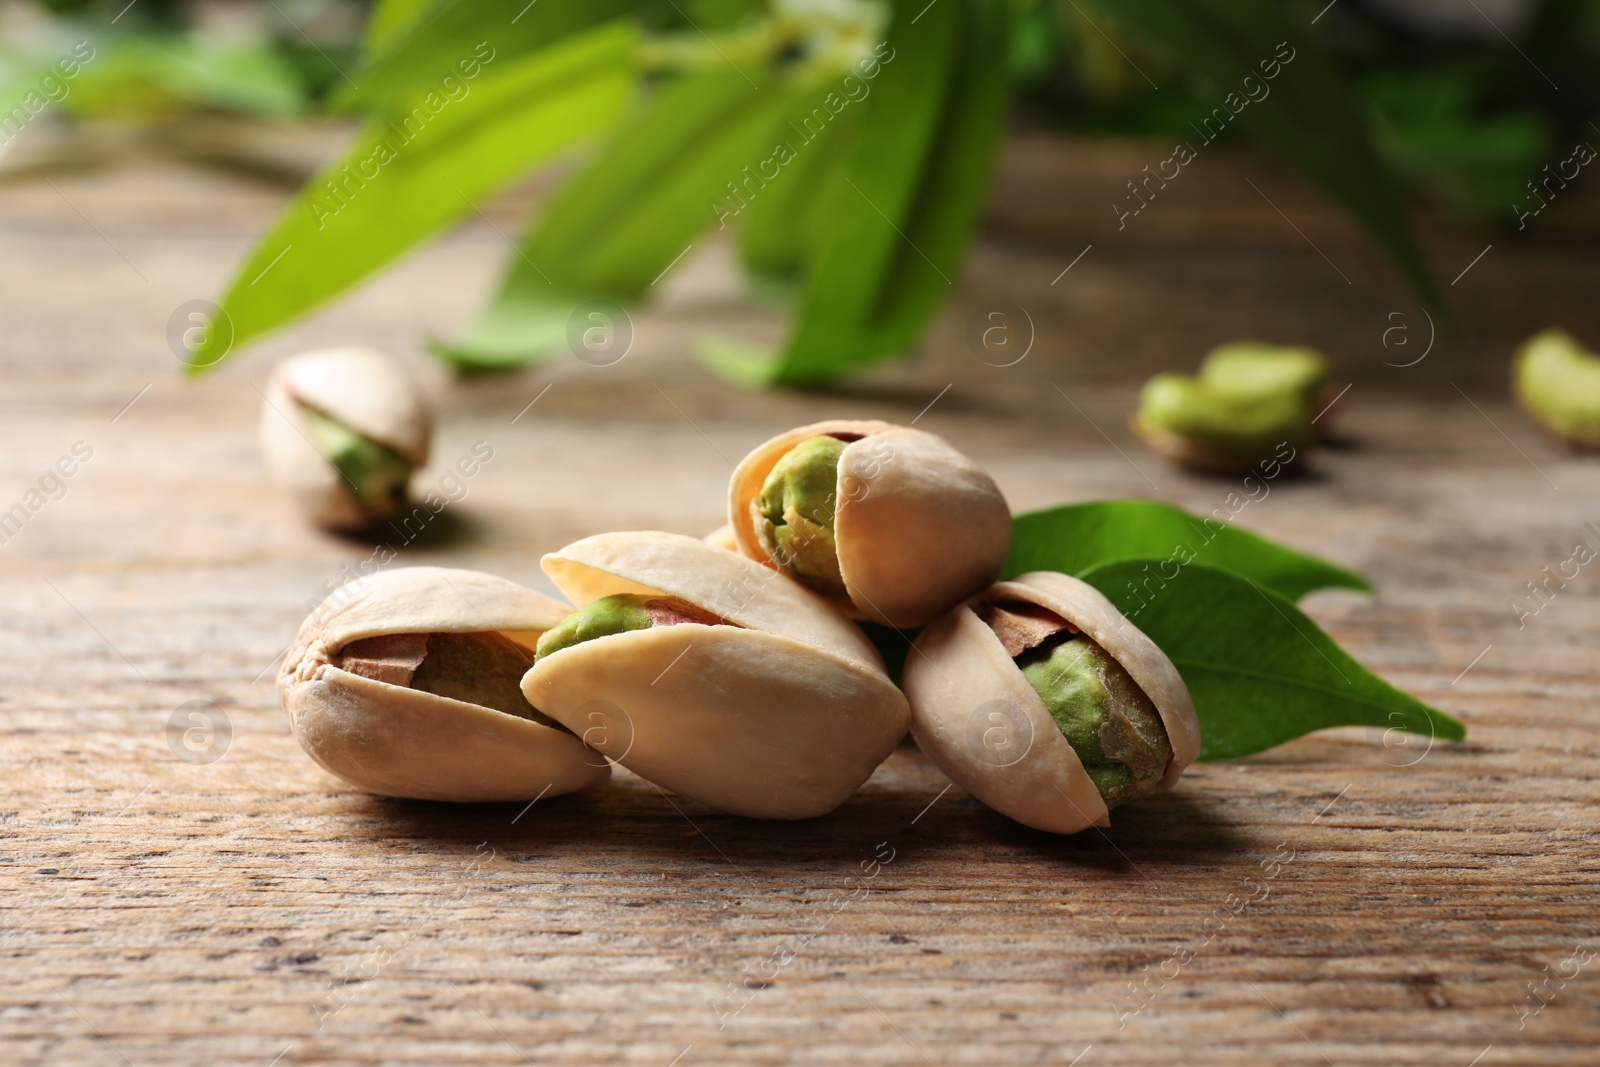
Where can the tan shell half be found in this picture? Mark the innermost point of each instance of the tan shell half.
(402, 742)
(976, 716)
(781, 716)
(918, 527)
(359, 387)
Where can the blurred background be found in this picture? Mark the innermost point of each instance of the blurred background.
(628, 153)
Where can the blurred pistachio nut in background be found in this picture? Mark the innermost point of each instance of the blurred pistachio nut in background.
(342, 429)
(1557, 381)
(888, 522)
(1248, 371)
(1048, 705)
(406, 683)
(1194, 425)
(736, 687)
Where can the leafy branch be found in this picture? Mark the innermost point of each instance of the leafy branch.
(851, 145)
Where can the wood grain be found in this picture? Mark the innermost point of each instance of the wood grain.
(1341, 900)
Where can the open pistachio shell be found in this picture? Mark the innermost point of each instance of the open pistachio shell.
(722, 537)
(398, 741)
(917, 526)
(360, 390)
(780, 713)
(978, 718)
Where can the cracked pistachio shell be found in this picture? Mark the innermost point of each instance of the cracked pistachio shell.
(362, 390)
(395, 741)
(917, 525)
(969, 699)
(779, 716)
(1557, 381)
(722, 537)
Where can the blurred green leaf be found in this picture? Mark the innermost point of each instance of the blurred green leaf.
(777, 223)
(1476, 165)
(428, 47)
(1259, 670)
(390, 20)
(896, 219)
(633, 212)
(412, 172)
(154, 76)
(1078, 537)
(1310, 115)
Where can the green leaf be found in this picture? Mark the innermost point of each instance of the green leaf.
(1259, 670)
(1310, 115)
(897, 219)
(389, 21)
(1079, 537)
(431, 45)
(411, 174)
(628, 216)
(778, 222)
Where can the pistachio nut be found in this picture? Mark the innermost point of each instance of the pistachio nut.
(1193, 424)
(714, 676)
(1048, 705)
(1557, 381)
(888, 522)
(342, 429)
(407, 683)
(1250, 371)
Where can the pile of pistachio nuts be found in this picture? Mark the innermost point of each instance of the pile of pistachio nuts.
(731, 669)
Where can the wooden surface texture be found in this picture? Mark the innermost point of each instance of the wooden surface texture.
(1345, 899)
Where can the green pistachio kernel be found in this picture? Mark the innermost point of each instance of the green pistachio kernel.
(620, 613)
(1216, 423)
(1104, 715)
(376, 475)
(794, 515)
(609, 615)
(1249, 372)
(1558, 382)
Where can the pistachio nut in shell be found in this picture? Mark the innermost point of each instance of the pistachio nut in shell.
(979, 715)
(888, 522)
(1194, 425)
(744, 690)
(406, 683)
(1250, 370)
(1557, 381)
(342, 429)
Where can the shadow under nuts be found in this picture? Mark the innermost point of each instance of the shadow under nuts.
(1047, 704)
(714, 676)
(407, 683)
(888, 522)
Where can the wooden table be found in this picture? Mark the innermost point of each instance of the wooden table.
(1404, 904)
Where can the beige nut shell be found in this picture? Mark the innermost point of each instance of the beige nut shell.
(958, 675)
(918, 526)
(359, 387)
(402, 742)
(782, 716)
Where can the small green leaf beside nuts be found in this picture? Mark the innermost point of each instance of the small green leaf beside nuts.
(1557, 382)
